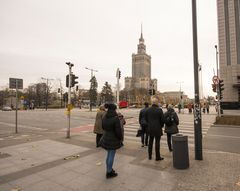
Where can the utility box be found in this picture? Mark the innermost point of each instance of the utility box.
(180, 151)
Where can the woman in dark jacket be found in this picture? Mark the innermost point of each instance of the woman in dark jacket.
(171, 125)
(112, 136)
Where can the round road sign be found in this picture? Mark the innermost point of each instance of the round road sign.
(215, 79)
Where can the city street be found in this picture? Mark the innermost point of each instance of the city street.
(40, 157)
(54, 122)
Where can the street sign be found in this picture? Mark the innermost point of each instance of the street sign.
(69, 107)
(215, 79)
(15, 83)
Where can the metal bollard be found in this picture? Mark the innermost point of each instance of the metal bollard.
(180, 151)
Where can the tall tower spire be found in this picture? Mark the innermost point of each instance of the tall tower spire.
(141, 40)
(141, 45)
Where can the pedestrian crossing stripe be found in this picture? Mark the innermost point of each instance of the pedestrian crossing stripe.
(130, 131)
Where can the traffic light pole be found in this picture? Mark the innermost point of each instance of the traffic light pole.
(197, 108)
(69, 98)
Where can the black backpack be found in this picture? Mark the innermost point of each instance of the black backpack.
(169, 120)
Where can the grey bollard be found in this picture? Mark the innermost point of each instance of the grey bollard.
(180, 151)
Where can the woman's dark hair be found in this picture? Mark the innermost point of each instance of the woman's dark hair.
(110, 106)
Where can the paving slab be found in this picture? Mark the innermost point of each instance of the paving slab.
(27, 155)
(218, 171)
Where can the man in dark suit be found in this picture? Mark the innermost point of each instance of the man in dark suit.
(143, 124)
(155, 120)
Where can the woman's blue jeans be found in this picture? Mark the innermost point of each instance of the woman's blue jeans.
(110, 159)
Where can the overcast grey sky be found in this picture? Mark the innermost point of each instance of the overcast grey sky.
(37, 37)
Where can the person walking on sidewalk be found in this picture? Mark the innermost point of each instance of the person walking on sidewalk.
(98, 130)
(122, 123)
(207, 107)
(171, 125)
(143, 124)
(112, 137)
(155, 120)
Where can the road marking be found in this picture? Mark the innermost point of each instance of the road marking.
(23, 126)
(225, 136)
(83, 128)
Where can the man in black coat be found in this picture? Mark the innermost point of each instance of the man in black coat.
(143, 124)
(155, 120)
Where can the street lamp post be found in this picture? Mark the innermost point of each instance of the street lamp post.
(217, 88)
(197, 108)
(180, 95)
(118, 75)
(61, 93)
(92, 70)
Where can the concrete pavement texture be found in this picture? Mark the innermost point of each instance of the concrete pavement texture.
(75, 164)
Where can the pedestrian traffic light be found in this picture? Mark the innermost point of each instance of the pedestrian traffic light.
(73, 80)
(220, 86)
(214, 87)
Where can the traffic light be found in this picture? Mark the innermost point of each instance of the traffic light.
(59, 90)
(67, 80)
(119, 74)
(153, 92)
(76, 88)
(214, 87)
(73, 80)
(220, 86)
(150, 91)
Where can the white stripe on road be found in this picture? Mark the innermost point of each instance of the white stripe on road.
(23, 126)
(224, 136)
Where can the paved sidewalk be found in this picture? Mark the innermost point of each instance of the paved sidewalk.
(75, 164)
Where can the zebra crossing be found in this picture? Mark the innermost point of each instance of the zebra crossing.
(185, 128)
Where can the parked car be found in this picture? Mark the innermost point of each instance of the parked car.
(123, 104)
(6, 108)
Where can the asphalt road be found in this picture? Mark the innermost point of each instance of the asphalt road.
(55, 121)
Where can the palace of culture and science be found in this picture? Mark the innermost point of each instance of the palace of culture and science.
(141, 69)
